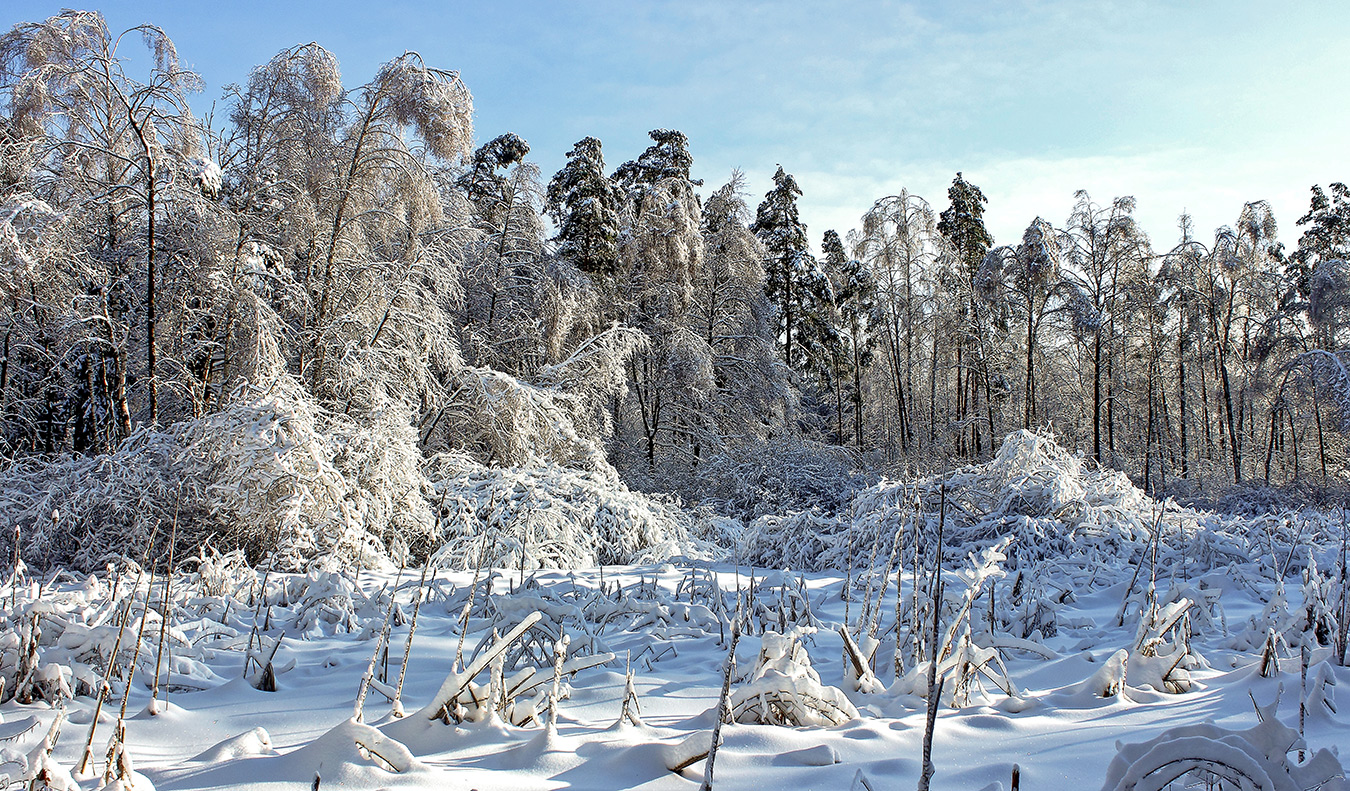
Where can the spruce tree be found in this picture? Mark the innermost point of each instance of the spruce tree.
(584, 204)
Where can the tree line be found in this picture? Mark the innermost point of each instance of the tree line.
(352, 240)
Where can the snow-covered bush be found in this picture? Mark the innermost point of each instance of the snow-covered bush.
(547, 516)
(783, 688)
(79, 510)
(283, 476)
(1054, 503)
(775, 477)
(272, 473)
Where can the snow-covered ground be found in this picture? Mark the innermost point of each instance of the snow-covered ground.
(1076, 615)
(1060, 729)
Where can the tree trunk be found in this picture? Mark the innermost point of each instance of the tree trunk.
(1181, 400)
(1232, 424)
(1097, 397)
(858, 404)
(150, 351)
(1030, 411)
(932, 394)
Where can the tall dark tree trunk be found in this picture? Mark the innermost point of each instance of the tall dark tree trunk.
(1097, 397)
(932, 394)
(151, 353)
(1234, 447)
(1181, 399)
(858, 404)
(1030, 411)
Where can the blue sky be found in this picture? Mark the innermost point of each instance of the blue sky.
(1195, 106)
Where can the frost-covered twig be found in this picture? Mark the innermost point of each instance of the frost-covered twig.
(164, 615)
(407, 645)
(723, 706)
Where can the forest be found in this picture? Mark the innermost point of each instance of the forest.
(329, 336)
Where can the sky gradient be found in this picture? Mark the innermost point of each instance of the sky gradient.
(1196, 106)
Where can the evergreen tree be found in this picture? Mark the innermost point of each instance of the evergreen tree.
(584, 204)
(487, 188)
(962, 224)
(667, 157)
(1327, 235)
(732, 313)
(793, 281)
(503, 273)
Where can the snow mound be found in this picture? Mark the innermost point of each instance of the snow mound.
(785, 690)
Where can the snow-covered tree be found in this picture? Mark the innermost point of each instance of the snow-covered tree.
(900, 244)
(962, 225)
(117, 145)
(1104, 242)
(504, 288)
(584, 205)
(793, 282)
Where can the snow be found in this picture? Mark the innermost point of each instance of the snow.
(576, 675)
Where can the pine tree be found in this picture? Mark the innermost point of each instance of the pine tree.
(793, 281)
(667, 157)
(584, 204)
(962, 225)
(503, 273)
(487, 189)
(1318, 266)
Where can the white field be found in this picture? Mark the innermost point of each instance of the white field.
(1061, 732)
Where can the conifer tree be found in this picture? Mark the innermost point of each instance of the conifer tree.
(1326, 235)
(503, 273)
(962, 225)
(584, 204)
(855, 302)
(667, 157)
(487, 188)
(793, 281)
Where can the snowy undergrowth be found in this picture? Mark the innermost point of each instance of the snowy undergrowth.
(548, 516)
(609, 677)
(1067, 603)
(1056, 506)
(282, 478)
